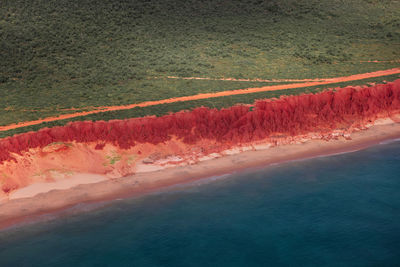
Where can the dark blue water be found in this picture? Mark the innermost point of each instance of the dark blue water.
(342, 210)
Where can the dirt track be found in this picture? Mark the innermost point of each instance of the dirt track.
(207, 95)
(244, 80)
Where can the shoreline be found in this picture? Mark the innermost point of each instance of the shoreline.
(21, 210)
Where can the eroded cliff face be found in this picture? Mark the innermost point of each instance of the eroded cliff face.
(122, 147)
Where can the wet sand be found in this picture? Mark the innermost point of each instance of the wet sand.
(27, 205)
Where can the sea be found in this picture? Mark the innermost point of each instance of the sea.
(339, 210)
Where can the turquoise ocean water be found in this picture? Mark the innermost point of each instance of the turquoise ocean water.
(341, 210)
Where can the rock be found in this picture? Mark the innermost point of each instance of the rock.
(148, 161)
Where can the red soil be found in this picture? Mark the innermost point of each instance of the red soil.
(114, 147)
(205, 96)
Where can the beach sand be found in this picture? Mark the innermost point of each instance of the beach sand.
(62, 184)
(42, 198)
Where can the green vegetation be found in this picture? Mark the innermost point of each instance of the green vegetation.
(113, 159)
(56, 55)
(220, 102)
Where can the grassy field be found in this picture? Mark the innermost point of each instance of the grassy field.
(57, 55)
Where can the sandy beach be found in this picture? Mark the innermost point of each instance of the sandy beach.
(38, 199)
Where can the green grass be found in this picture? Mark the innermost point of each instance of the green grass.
(219, 102)
(80, 53)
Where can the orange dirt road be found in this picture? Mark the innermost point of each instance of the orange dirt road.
(207, 95)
